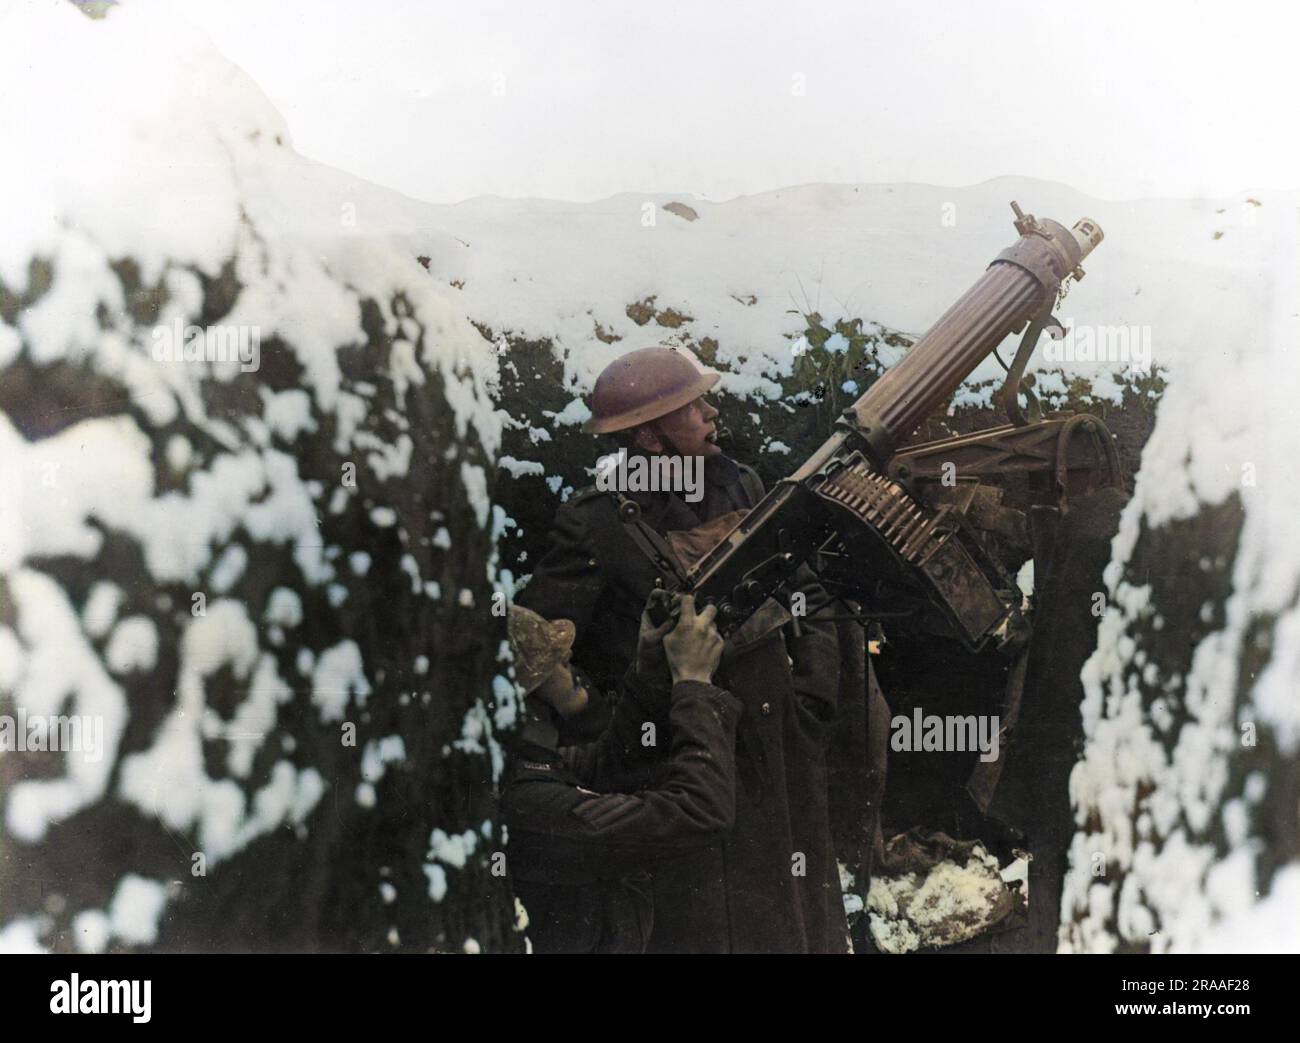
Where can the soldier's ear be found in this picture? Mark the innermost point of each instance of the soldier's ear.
(648, 439)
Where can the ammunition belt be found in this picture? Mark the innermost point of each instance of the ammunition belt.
(886, 507)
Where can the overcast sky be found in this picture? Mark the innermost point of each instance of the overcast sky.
(579, 100)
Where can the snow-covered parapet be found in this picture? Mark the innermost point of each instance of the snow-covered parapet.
(245, 529)
(1186, 795)
(777, 291)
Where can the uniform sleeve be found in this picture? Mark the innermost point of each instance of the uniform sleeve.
(696, 800)
(567, 582)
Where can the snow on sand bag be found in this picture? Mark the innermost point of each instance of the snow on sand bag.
(1187, 791)
(249, 674)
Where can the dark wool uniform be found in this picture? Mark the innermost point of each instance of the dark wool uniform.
(771, 884)
(580, 860)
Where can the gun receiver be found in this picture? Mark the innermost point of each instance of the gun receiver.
(869, 518)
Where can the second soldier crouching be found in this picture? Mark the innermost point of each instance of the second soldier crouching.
(580, 859)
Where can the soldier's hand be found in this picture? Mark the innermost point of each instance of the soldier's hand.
(649, 640)
(694, 646)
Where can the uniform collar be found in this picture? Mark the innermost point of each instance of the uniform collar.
(720, 469)
(540, 732)
(666, 511)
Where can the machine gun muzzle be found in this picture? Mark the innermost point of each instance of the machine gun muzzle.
(1020, 285)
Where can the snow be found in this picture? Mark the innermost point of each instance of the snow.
(476, 738)
(133, 646)
(519, 468)
(376, 757)
(437, 881)
(204, 175)
(203, 180)
(114, 486)
(11, 658)
(739, 271)
(134, 911)
(21, 936)
(453, 850)
(948, 904)
(166, 215)
(101, 608)
(447, 851)
(283, 608)
(169, 780)
(91, 931)
(10, 345)
(476, 488)
(877, 252)
(1275, 693)
(576, 412)
(228, 568)
(59, 668)
(1152, 790)
(1264, 926)
(387, 460)
(288, 413)
(508, 697)
(339, 674)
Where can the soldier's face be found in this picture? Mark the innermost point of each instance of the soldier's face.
(691, 430)
(562, 690)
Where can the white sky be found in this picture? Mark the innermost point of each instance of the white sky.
(579, 100)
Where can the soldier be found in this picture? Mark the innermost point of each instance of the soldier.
(580, 859)
(772, 884)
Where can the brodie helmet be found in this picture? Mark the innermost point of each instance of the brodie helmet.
(645, 385)
(539, 645)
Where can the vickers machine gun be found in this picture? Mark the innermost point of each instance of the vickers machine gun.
(913, 527)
